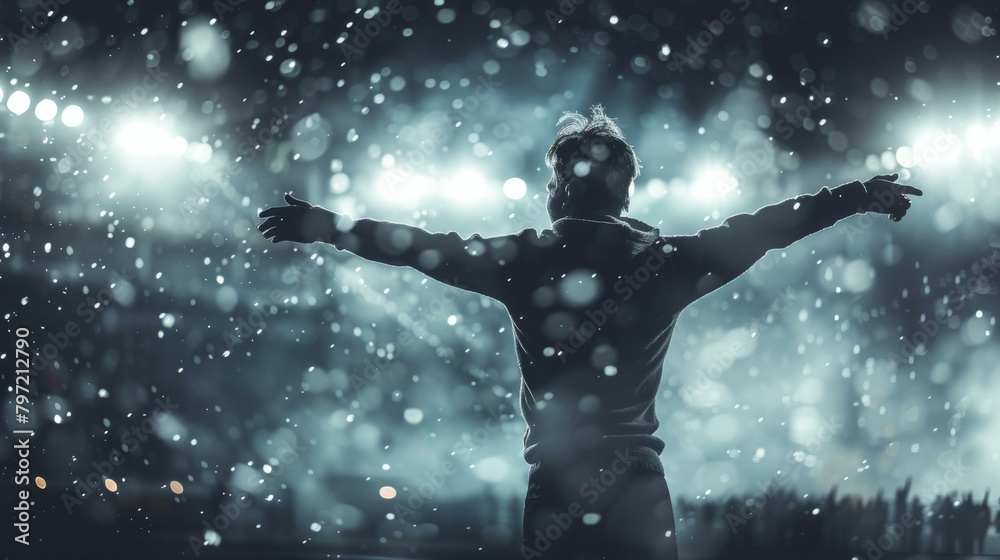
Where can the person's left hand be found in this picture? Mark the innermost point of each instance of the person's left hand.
(890, 197)
(300, 222)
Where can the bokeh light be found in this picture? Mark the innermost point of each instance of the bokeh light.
(515, 188)
(46, 110)
(72, 116)
(19, 102)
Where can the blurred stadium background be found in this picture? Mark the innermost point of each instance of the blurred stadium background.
(325, 393)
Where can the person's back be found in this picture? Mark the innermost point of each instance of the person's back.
(591, 323)
(593, 302)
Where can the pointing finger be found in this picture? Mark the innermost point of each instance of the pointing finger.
(295, 201)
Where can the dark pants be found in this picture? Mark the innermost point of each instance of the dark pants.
(598, 507)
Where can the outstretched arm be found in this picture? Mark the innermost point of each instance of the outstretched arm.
(472, 263)
(715, 256)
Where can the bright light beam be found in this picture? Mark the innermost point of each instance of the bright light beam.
(149, 139)
(977, 140)
(465, 185)
(934, 148)
(406, 189)
(713, 184)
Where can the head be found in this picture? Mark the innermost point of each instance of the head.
(593, 167)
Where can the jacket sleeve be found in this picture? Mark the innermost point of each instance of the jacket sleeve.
(714, 256)
(475, 263)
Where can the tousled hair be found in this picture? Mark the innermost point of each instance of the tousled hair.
(600, 140)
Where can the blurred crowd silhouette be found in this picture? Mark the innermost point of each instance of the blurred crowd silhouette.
(952, 523)
(487, 526)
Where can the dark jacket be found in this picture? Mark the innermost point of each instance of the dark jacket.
(594, 301)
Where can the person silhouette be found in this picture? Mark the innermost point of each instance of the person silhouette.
(996, 520)
(593, 302)
(915, 534)
(981, 523)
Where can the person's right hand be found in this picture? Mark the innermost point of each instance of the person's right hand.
(299, 221)
(889, 197)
